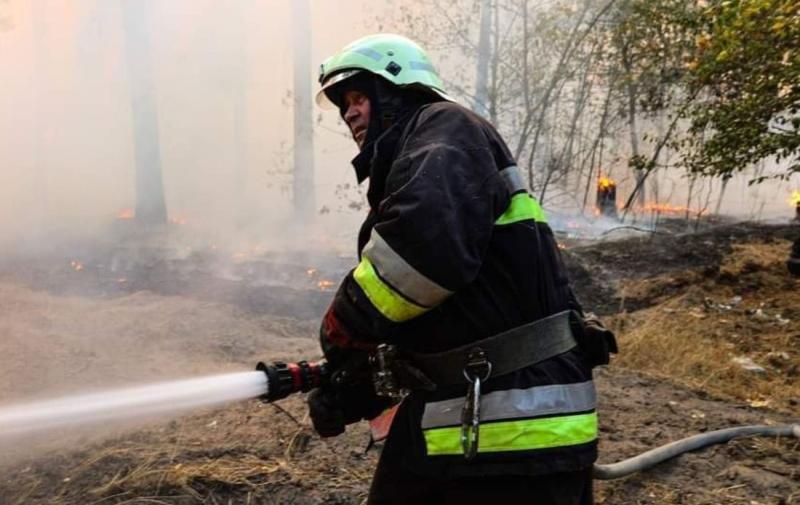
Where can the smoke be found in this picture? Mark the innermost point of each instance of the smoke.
(88, 299)
(222, 86)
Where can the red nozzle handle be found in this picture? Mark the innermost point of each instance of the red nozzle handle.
(284, 379)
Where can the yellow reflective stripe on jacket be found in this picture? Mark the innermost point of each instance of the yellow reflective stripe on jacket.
(388, 302)
(517, 435)
(523, 206)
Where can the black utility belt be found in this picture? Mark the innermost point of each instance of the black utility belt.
(395, 374)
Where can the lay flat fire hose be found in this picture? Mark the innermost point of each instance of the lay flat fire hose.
(284, 379)
(671, 450)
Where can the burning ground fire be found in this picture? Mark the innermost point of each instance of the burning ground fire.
(126, 214)
(322, 284)
(665, 208)
(794, 201)
(76, 265)
(606, 198)
(325, 285)
(606, 202)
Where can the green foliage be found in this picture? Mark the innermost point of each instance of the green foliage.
(746, 68)
(651, 41)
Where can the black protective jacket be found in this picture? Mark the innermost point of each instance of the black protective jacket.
(454, 250)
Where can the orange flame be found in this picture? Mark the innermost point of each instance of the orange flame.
(665, 208)
(76, 265)
(325, 285)
(605, 183)
(795, 198)
(126, 214)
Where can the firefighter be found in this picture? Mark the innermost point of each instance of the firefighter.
(460, 278)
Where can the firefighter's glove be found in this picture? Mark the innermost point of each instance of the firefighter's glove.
(326, 414)
(595, 341)
(334, 407)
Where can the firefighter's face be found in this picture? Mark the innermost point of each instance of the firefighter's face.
(356, 108)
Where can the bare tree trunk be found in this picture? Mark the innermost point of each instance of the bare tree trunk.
(651, 164)
(632, 90)
(151, 209)
(724, 186)
(560, 73)
(495, 60)
(40, 63)
(484, 54)
(237, 81)
(692, 181)
(303, 187)
(601, 132)
(581, 95)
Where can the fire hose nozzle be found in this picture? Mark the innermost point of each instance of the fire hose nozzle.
(284, 379)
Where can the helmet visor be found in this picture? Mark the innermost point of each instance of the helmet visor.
(323, 100)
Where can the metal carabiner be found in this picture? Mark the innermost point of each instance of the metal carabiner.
(471, 419)
(478, 369)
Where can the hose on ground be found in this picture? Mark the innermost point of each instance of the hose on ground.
(659, 454)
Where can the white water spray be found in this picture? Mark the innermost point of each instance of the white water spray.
(167, 397)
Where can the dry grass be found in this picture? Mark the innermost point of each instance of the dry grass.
(692, 337)
(247, 454)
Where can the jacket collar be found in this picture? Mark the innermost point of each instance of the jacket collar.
(375, 160)
(378, 152)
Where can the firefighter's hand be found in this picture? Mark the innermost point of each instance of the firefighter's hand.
(326, 414)
(596, 342)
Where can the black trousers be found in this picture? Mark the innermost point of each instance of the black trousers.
(394, 485)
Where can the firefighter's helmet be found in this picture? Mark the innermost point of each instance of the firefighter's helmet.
(393, 57)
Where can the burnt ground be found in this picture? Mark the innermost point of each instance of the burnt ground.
(139, 314)
(596, 269)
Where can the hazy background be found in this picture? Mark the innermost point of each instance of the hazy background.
(223, 77)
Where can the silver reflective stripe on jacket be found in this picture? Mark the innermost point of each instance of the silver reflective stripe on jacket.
(513, 179)
(393, 269)
(551, 400)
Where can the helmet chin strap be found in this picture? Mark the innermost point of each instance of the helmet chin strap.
(390, 103)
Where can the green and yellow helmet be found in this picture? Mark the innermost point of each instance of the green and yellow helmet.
(393, 57)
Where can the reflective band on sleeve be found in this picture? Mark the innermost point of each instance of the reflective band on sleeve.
(538, 401)
(513, 179)
(522, 207)
(519, 435)
(388, 302)
(402, 276)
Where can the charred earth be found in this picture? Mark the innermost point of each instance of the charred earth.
(708, 327)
